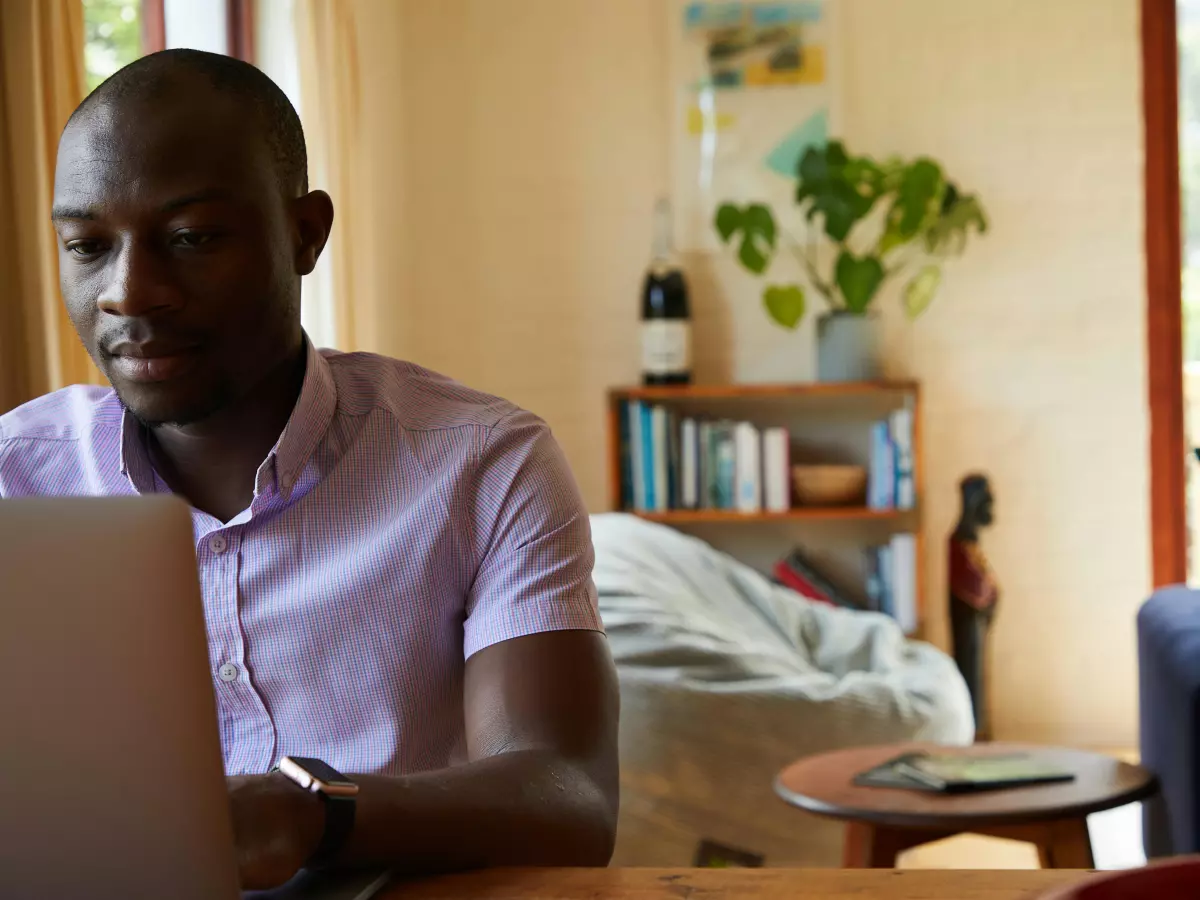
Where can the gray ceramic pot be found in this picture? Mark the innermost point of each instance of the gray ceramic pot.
(848, 347)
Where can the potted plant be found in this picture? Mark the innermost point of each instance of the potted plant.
(913, 217)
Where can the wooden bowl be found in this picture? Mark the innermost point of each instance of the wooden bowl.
(1175, 879)
(830, 485)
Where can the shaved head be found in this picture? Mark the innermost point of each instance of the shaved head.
(157, 78)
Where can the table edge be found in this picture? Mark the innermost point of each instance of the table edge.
(942, 821)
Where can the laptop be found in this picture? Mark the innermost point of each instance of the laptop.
(111, 779)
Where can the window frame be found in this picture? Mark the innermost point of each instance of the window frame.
(239, 19)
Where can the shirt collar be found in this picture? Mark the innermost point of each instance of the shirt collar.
(307, 424)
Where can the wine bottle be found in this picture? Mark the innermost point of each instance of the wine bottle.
(666, 315)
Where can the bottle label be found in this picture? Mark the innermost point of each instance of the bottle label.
(666, 346)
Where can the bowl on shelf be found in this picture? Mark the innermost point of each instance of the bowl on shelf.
(1174, 879)
(830, 485)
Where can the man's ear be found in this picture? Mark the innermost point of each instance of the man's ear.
(313, 219)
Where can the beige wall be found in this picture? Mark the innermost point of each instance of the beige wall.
(518, 146)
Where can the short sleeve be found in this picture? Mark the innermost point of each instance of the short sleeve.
(533, 540)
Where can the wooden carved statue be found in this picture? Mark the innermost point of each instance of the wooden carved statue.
(973, 595)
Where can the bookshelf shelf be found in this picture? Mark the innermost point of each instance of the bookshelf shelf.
(764, 391)
(829, 422)
(799, 514)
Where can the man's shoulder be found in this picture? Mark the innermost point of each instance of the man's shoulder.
(64, 415)
(418, 398)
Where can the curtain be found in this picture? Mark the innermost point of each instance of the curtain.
(41, 82)
(331, 103)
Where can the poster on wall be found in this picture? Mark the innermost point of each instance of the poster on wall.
(753, 84)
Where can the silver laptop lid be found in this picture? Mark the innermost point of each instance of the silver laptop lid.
(111, 780)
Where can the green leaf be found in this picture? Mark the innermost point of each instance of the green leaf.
(758, 219)
(918, 200)
(948, 234)
(858, 278)
(785, 305)
(757, 228)
(728, 220)
(920, 290)
(751, 256)
(842, 190)
(821, 164)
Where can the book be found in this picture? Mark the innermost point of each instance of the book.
(707, 465)
(904, 581)
(798, 583)
(674, 461)
(661, 479)
(777, 470)
(624, 426)
(689, 464)
(726, 465)
(874, 583)
(881, 474)
(951, 773)
(797, 563)
(636, 466)
(901, 430)
(887, 604)
(748, 463)
(647, 453)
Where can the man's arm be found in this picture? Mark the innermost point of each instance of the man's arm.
(541, 785)
(540, 789)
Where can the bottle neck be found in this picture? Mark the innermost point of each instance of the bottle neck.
(662, 256)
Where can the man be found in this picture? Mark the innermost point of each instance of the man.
(396, 570)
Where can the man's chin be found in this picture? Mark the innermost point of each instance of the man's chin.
(156, 407)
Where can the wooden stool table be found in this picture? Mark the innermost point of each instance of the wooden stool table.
(882, 823)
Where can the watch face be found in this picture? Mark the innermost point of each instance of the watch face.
(321, 771)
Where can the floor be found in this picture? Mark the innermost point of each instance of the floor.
(1116, 844)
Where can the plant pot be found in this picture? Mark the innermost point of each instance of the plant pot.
(848, 347)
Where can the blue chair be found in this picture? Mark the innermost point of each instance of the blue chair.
(1168, 626)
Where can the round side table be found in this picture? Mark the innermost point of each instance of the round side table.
(881, 823)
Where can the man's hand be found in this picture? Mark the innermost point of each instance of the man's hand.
(277, 827)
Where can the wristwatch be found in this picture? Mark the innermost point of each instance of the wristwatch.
(336, 790)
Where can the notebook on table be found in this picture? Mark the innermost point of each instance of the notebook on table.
(956, 773)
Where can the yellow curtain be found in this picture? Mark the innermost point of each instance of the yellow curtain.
(331, 101)
(41, 82)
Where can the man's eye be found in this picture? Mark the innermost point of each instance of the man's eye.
(193, 238)
(85, 248)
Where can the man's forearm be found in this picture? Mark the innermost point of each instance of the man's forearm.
(527, 807)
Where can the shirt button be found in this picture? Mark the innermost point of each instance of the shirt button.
(228, 672)
(217, 544)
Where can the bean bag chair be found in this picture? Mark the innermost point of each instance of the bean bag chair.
(725, 678)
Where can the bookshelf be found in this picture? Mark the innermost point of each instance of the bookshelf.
(826, 423)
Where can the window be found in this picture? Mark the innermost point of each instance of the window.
(116, 32)
(112, 36)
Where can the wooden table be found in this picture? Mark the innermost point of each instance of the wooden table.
(883, 823)
(727, 884)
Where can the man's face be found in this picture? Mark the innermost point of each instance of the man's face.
(177, 258)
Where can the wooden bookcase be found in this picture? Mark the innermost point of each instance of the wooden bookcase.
(827, 423)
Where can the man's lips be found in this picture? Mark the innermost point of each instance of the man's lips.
(148, 363)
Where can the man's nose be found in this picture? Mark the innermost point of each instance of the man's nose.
(140, 283)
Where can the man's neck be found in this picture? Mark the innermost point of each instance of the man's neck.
(213, 463)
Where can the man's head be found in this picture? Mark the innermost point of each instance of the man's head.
(181, 204)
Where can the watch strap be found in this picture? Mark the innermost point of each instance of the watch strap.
(339, 822)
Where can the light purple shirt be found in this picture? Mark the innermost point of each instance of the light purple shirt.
(402, 523)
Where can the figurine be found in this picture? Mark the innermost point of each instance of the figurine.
(973, 595)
